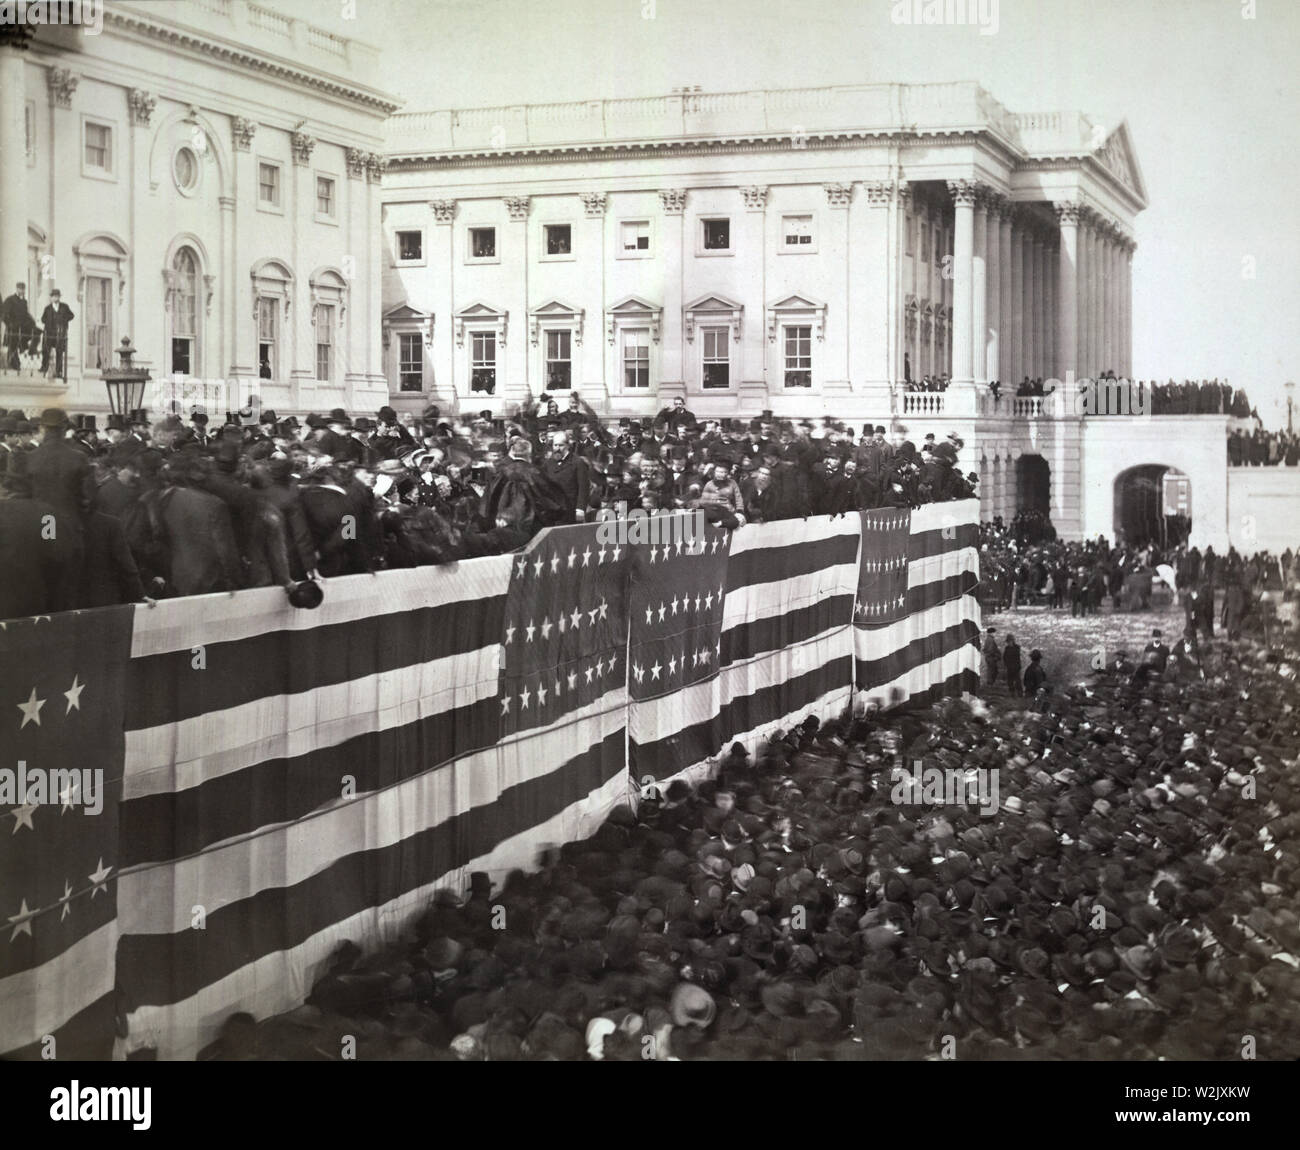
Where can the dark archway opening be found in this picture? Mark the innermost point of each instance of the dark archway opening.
(1153, 504)
(1033, 486)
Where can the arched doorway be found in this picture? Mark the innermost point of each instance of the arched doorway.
(1033, 485)
(1153, 504)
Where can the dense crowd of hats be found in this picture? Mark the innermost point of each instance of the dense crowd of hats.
(1131, 899)
(171, 506)
(1262, 448)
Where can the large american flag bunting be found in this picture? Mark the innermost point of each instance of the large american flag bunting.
(278, 781)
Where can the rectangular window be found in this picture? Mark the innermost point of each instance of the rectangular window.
(796, 232)
(325, 197)
(717, 357)
(410, 362)
(268, 326)
(909, 232)
(324, 341)
(410, 246)
(483, 361)
(482, 243)
(559, 366)
(558, 239)
(717, 235)
(99, 147)
(268, 184)
(798, 356)
(99, 333)
(635, 236)
(636, 357)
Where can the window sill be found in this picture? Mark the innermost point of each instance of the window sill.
(482, 259)
(410, 263)
(98, 174)
(270, 209)
(570, 258)
(646, 255)
(332, 221)
(783, 250)
(702, 254)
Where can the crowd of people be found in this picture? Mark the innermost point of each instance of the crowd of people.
(1261, 448)
(1127, 900)
(148, 508)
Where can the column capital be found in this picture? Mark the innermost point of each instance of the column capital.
(242, 132)
(672, 200)
(375, 167)
(444, 211)
(140, 105)
(1068, 212)
(594, 203)
(839, 195)
(991, 199)
(755, 197)
(301, 144)
(963, 192)
(356, 160)
(62, 82)
(518, 207)
(880, 193)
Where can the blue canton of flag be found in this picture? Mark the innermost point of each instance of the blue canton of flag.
(882, 573)
(678, 587)
(564, 641)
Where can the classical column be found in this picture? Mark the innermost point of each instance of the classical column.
(1051, 276)
(1082, 367)
(1094, 301)
(1067, 315)
(1036, 262)
(13, 170)
(1015, 320)
(515, 355)
(1103, 277)
(979, 288)
(673, 349)
(993, 284)
(963, 196)
(1126, 274)
(1005, 306)
(868, 333)
(1115, 335)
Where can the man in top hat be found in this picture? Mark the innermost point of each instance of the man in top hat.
(1155, 655)
(55, 320)
(199, 424)
(992, 656)
(63, 477)
(18, 324)
(337, 441)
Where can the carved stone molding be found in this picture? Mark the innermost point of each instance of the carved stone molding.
(444, 211)
(673, 200)
(755, 198)
(62, 83)
(243, 132)
(518, 207)
(302, 144)
(141, 105)
(375, 167)
(880, 193)
(356, 160)
(594, 204)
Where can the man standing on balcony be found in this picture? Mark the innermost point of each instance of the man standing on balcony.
(55, 319)
(18, 324)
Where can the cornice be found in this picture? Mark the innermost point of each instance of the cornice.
(125, 20)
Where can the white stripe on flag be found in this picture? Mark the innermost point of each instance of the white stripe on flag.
(182, 624)
(60, 988)
(936, 568)
(770, 600)
(172, 757)
(936, 516)
(281, 981)
(919, 679)
(884, 641)
(653, 719)
(793, 532)
(157, 898)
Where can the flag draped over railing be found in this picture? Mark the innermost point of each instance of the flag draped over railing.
(278, 781)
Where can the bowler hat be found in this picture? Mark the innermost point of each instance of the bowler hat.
(54, 417)
(307, 594)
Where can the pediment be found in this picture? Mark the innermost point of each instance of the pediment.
(797, 303)
(632, 305)
(1118, 156)
(717, 303)
(404, 311)
(479, 310)
(554, 307)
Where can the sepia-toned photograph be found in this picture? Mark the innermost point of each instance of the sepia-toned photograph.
(639, 530)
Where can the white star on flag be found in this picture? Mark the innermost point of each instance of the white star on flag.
(649, 615)
(510, 634)
(546, 627)
(68, 795)
(674, 605)
(604, 609)
(541, 695)
(529, 631)
(575, 620)
(523, 699)
(555, 564)
(652, 554)
(600, 555)
(590, 672)
(31, 710)
(617, 551)
(505, 704)
(708, 600)
(672, 665)
(99, 877)
(638, 671)
(23, 816)
(573, 679)
(586, 557)
(611, 661)
(67, 906)
(538, 566)
(23, 921)
(663, 610)
(573, 558)
(654, 671)
(521, 568)
(73, 695)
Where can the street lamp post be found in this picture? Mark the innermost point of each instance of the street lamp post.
(1290, 402)
(125, 384)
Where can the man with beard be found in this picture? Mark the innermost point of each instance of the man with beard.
(571, 474)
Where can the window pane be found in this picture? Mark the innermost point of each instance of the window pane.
(410, 245)
(717, 235)
(636, 236)
(410, 363)
(181, 356)
(324, 196)
(798, 230)
(484, 243)
(558, 239)
(269, 183)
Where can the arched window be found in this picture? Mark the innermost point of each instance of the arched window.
(185, 312)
